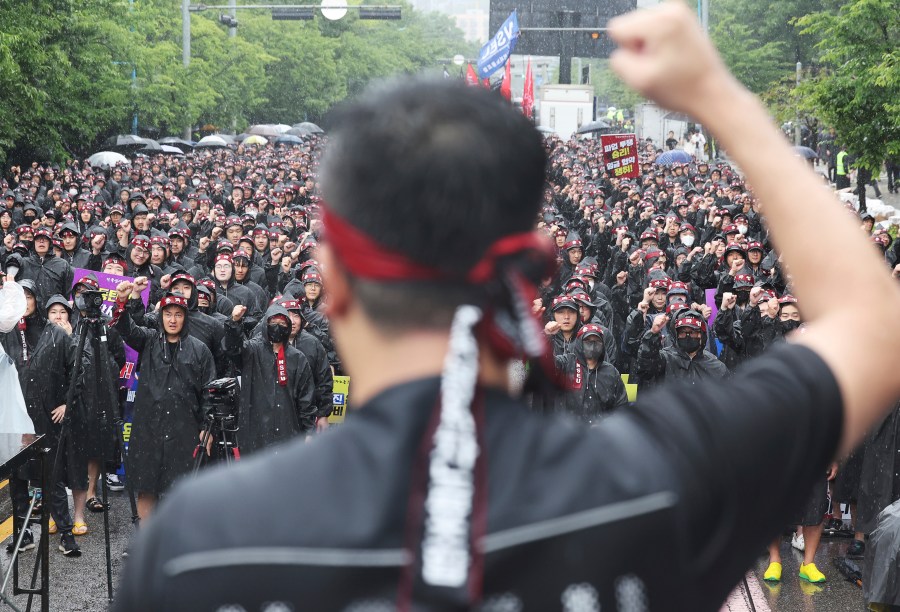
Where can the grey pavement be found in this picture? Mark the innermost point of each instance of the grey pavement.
(78, 585)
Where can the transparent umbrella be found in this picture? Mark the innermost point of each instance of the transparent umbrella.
(107, 159)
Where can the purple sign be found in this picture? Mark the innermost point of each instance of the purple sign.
(711, 302)
(128, 378)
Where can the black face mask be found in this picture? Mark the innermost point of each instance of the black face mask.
(688, 344)
(743, 297)
(277, 333)
(593, 350)
(789, 326)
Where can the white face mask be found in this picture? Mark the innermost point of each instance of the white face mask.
(742, 229)
(195, 181)
(688, 240)
(73, 192)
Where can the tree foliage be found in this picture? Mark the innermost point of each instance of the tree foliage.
(858, 91)
(76, 71)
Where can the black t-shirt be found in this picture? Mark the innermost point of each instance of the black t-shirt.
(664, 504)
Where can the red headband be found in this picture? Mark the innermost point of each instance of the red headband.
(364, 258)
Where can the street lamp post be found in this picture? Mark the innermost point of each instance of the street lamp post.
(186, 47)
(797, 135)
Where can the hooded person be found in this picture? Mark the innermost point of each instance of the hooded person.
(277, 387)
(139, 266)
(76, 255)
(564, 325)
(226, 286)
(216, 305)
(243, 268)
(313, 298)
(589, 313)
(51, 274)
(315, 353)
(738, 320)
(96, 385)
(174, 370)
(572, 254)
(594, 387)
(202, 326)
(686, 359)
(44, 356)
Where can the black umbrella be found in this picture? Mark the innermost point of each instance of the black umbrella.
(593, 126)
(174, 141)
(806, 153)
(129, 142)
(150, 146)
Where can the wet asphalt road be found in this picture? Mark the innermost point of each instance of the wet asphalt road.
(78, 584)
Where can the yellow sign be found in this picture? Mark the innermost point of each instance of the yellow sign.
(340, 399)
(630, 390)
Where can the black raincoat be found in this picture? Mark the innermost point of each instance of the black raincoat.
(590, 394)
(51, 275)
(44, 356)
(879, 484)
(167, 408)
(655, 364)
(270, 412)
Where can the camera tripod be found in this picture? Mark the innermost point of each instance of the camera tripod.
(112, 443)
(221, 431)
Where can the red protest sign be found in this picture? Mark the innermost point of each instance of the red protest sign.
(620, 155)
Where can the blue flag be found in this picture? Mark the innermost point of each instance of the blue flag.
(497, 50)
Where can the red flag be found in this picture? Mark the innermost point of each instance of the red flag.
(506, 85)
(486, 83)
(471, 77)
(528, 93)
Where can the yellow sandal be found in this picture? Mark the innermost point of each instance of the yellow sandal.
(51, 527)
(80, 528)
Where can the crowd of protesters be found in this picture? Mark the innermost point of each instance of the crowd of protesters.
(665, 277)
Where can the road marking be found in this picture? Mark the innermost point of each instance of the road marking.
(6, 529)
(737, 601)
(4, 483)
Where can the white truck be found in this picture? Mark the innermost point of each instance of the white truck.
(565, 108)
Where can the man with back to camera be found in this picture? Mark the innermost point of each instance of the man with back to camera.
(452, 495)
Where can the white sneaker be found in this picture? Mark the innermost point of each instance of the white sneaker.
(798, 542)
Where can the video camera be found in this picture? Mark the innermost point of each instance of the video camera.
(222, 402)
(90, 302)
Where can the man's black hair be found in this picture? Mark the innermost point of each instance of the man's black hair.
(438, 171)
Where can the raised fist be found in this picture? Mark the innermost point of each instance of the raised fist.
(728, 301)
(659, 322)
(140, 283)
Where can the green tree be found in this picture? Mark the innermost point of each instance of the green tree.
(755, 63)
(62, 75)
(858, 91)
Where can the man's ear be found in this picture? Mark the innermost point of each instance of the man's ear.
(339, 294)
